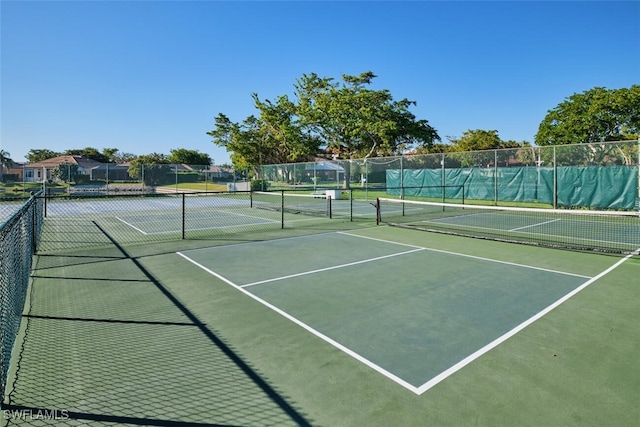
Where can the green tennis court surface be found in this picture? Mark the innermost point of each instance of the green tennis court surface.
(336, 324)
(344, 288)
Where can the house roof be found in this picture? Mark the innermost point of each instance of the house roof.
(53, 162)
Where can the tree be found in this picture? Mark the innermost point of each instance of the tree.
(189, 157)
(121, 157)
(275, 136)
(348, 118)
(241, 140)
(89, 153)
(478, 139)
(5, 157)
(66, 172)
(152, 169)
(354, 121)
(37, 155)
(282, 132)
(596, 115)
(5, 162)
(472, 147)
(110, 153)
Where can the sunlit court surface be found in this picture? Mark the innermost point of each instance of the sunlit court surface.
(264, 316)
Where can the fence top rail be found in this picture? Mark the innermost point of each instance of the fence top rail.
(19, 212)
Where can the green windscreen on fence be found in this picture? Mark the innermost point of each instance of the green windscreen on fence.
(610, 187)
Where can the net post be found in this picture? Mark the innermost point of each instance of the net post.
(351, 205)
(377, 210)
(282, 209)
(329, 205)
(183, 215)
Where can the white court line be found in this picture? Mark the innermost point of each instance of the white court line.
(329, 268)
(471, 256)
(464, 362)
(535, 225)
(308, 328)
(131, 225)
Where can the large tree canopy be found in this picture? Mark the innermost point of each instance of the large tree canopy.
(348, 119)
(275, 136)
(189, 157)
(39, 154)
(354, 121)
(596, 115)
(93, 153)
(478, 139)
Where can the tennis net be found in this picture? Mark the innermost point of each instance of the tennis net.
(603, 231)
(295, 203)
(19, 237)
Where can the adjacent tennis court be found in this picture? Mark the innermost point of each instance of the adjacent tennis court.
(608, 231)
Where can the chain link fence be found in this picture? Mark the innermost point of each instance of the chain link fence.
(67, 179)
(599, 175)
(19, 237)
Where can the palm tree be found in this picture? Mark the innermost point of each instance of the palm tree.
(5, 162)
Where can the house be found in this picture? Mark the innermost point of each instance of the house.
(219, 172)
(41, 171)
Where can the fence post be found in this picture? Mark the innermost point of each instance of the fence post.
(495, 177)
(443, 180)
(638, 194)
(34, 223)
(555, 180)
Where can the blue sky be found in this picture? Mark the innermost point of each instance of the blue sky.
(150, 76)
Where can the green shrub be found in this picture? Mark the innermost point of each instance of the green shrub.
(188, 177)
(260, 185)
(82, 179)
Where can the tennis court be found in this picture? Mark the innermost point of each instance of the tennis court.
(315, 321)
(343, 289)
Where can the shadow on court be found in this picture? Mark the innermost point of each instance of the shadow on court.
(125, 350)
